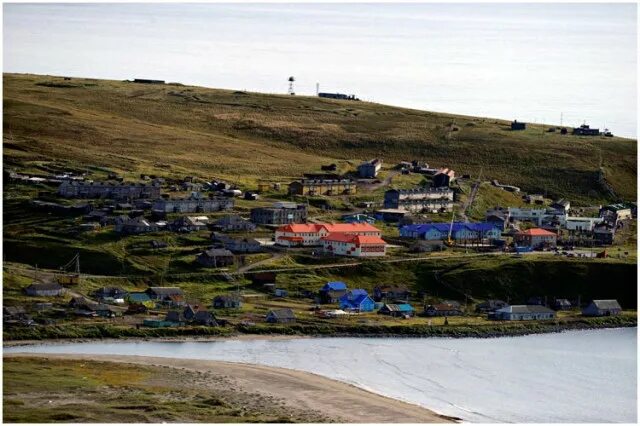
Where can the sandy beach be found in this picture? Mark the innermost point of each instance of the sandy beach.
(298, 390)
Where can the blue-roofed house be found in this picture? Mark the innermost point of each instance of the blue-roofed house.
(331, 292)
(357, 300)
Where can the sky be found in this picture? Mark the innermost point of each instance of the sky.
(531, 62)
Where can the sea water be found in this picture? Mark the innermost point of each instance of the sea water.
(575, 376)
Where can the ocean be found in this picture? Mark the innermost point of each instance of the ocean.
(571, 377)
(551, 63)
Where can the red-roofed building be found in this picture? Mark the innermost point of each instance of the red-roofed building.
(342, 244)
(535, 238)
(307, 235)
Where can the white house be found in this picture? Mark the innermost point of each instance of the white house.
(524, 312)
(582, 223)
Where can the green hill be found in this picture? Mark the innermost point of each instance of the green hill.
(176, 130)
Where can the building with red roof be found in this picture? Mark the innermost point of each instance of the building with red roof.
(310, 234)
(342, 244)
(536, 238)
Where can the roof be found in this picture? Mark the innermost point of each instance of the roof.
(444, 307)
(45, 286)
(422, 228)
(393, 288)
(217, 252)
(354, 239)
(607, 304)
(402, 307)
(329, 227)
(537, 232)
(284, 313)
(334, 286)
(356, 301)
(525, 309)
(139, 297)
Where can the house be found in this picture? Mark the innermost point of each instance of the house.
(357, 300)
(561, 304)
(442, 310)
(110, 294)
(341, 244)
(13, 313)
(535, 238)
(234, 223)
(603, 235)
(226, 302)
(562, 206)
(187, 224)
(418, 200)
(582, 224)
(534, 198)
(139, 298)
(391, 292)
(322, 187)
(369, 169)
(167, 295)
(240, 245)
(490, 305)
(585, 130)
(175, 317)
(497, 217)
(397, 310)
(137, 225)
(616, 212)
(332, 291)
(280, 316)
(301, 234)
(602, 308)
(443, 178)
(516, 125)
(279, 214)
(44, 290)
(205, 318)
(215, 258)
(524, 313)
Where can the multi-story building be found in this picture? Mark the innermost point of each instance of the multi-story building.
(322, 187)
(370, 169)
(307, 235)
(279, 214)
(535, 238)
(111, 190)
(420, 199)
(341, 244)
(193, 205)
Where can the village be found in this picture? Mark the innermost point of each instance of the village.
(323, 220)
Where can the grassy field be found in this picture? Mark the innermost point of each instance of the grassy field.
(41, 390)
(175, 130)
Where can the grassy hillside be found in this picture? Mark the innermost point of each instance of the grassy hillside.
(176, 130)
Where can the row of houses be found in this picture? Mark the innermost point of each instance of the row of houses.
(458, 231)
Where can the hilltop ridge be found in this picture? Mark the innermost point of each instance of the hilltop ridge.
(177, 130)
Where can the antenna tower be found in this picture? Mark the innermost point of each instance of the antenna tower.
(291, 80)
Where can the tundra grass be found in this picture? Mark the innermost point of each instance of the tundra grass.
(41, 390)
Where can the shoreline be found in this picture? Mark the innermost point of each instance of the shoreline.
(300, 332)
(347, 403)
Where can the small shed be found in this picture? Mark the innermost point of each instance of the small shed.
(46, 289)
(227, 301)
(397, 310)
(285, 315)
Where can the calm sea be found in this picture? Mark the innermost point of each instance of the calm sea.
(571, 377)
(531, 62)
